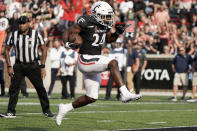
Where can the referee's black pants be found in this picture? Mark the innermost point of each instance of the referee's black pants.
(31, 71)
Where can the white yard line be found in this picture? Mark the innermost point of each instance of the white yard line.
(148, 128)
(112, 103)
(104, 121)
(103, 112)
(155, 123)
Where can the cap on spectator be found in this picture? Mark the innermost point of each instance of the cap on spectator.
(119, 40)
(23, 20)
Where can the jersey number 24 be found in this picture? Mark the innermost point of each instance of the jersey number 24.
(97, 40)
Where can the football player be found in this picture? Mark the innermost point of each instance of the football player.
(94, 31)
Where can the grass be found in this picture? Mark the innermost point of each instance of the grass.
(150, 112)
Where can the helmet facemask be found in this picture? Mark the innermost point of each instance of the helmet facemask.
(106, 20)
(103, 14)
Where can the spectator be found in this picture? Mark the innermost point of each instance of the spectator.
(13, 22)
(2, 6)
(186, 4)
(166, 50)
(35, 8)
(142, 66)
(55, 55)
(67, 72)
(132, 66)
(180, 67)
(194, 81)
(27, 5)
(58, 13)
(124, 8)
(161, 15)
(193, 22)
(68, 16)
(152, 46)
(13, 7)
(183, 27)
(164, 37)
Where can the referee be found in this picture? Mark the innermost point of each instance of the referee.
(26, 42)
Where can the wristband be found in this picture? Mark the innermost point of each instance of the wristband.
(42, 66)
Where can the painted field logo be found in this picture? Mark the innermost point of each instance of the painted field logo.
(156, 74)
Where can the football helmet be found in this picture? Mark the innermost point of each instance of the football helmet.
(103, 13)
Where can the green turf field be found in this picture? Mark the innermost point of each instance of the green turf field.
(150, 112)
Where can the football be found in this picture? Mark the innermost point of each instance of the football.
(75, 38)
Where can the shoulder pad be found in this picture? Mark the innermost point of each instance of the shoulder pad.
(82, 21)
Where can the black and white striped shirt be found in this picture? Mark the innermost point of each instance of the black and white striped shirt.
(26, 46)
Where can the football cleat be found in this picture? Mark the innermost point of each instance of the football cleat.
(61, 113)
(8, 115)
(130, 97)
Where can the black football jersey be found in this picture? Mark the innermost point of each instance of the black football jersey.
(93, 35)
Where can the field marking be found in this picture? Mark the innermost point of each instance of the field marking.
(154, 123)
(100, 104)
(104, 121)
(99, 112)
(148, 128)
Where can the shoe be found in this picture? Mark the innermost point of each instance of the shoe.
(107, 98)
(64, 97)
(25, 96)
(191, 100)
(8, 115)
(61, 113)
(130, 97)
(173, 98)
(182, 98)
(48, 114)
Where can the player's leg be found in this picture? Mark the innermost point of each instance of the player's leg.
(115, 73)
(93, 64)
(92, 84)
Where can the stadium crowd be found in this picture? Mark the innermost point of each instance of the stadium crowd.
(160, 26)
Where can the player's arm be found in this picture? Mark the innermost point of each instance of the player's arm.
(8, 47)
(111, 37)
(69, 37)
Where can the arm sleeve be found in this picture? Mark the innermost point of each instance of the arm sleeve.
(82, 22)
(10, 40)
(40, 39)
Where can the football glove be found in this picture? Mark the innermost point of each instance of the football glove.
(72, 45)
(120, 28)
